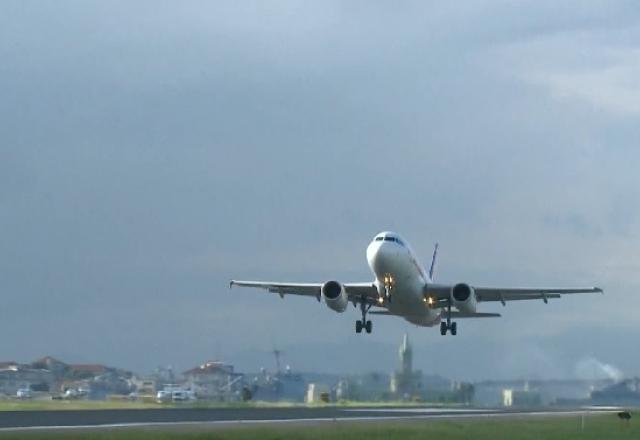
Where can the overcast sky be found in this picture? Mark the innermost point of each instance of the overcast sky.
(150, 151)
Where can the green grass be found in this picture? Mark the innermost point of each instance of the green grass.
(40, 405)
(35, 405)
(601, 426)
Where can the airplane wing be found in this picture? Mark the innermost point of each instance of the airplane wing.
(355, 291)
(484, 294)
(517, 294)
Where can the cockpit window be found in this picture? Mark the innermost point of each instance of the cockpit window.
(394, 239)
(390, 238)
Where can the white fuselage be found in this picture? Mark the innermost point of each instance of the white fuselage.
(390, 257)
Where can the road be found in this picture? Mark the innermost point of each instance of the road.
(16, 420)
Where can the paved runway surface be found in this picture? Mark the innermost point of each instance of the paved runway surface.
(10, 420)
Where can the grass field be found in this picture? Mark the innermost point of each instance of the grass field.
(40, 405)
(61, 405)
(601, 426)
(26, 405)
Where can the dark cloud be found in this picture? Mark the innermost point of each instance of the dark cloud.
(152, 151)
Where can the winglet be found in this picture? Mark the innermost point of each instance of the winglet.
(433, 261)
(231, 283)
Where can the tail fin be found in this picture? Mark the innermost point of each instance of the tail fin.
(433, 262)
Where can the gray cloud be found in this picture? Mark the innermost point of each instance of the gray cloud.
(152, 151)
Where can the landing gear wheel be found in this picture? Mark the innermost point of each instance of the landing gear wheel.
(364, 324)
(448, 325)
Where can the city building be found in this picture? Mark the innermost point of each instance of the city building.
(214, 380)
(522, 398)
(14, 377)
(57, 367)
(82, 371)
(569, 392)
(317, 393)
(145, 386)
(625, 392)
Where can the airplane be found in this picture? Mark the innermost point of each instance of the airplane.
(403, 288)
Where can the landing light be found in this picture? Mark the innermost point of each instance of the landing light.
(380, 300)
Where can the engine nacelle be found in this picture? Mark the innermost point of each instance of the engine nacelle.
(335, 296)
(463, 298)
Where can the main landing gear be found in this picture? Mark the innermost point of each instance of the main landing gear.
(446, 326)
(364, 324)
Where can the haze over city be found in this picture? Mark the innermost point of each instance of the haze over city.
(151, 152)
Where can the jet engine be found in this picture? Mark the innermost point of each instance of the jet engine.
(463, 298)
(335, 296)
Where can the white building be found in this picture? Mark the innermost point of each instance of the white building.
(317, 393)
(213, 380)
(14, 377)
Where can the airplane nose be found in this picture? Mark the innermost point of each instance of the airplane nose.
(372, 249)
(376, 255)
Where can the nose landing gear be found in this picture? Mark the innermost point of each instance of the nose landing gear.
(388, 283)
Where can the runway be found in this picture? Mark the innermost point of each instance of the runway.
(63, 419)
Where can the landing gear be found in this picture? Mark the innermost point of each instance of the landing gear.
(446, 326)
(388, 283)
(367, 326)
(364, 324)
